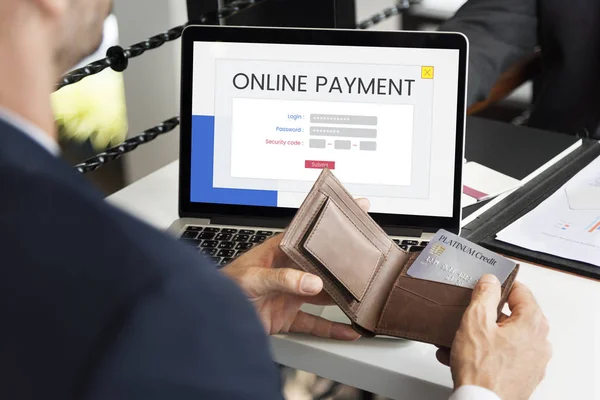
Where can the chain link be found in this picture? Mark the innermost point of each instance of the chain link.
(116, 152)
(117, 59)
(387, 13)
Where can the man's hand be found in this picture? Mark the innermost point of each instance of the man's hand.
(508, 357)
(278, 289)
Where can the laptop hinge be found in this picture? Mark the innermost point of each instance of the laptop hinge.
(250, 221)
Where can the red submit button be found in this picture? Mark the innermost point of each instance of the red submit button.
(319, 164)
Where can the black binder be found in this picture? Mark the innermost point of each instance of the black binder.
(483, 229)
(516, 151)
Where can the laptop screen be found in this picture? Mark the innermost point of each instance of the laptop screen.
(268, 117)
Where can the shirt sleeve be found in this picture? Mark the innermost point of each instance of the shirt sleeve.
(473, 393)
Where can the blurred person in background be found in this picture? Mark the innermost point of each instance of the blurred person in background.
(503, 32)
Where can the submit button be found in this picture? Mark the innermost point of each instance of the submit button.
(319, 164)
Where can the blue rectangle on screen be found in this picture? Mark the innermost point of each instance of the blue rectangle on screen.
(202, 168)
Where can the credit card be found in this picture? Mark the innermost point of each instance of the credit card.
(453, 260)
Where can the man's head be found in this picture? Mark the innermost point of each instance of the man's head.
(78, 25)
(40, 40)
(69, 29)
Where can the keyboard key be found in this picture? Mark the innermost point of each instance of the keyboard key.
(265, 233)
(216, 260)
(190, 242)
(189, 235)
(396, 241)
(212, 230)
(227, 245)
(247, 232)
(241, 238)
(243, 246)
(239, 253)
(424, 244)
(209, 244)
(410, 242)
(257, 239)
(193, 228)
(415, 249)
(226, 261)
(229, 231)
(226, 253)
(209, 252)
(404, 247)
(207, 235)
(224, 236)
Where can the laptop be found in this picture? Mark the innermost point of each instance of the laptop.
(264, 110)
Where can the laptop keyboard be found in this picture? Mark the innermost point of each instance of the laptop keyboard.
(223, 245)
(412, 246)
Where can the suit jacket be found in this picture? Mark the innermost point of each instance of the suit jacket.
(96, 305)
(500, 32)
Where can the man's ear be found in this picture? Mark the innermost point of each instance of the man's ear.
(53, 8)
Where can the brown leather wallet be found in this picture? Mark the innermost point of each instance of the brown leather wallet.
(364, 271)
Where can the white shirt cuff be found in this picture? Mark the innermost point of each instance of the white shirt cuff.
(473, 393)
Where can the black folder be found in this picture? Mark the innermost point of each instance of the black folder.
(484, 228)
(517, 151)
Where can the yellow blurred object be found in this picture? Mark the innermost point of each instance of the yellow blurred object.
(93, 109)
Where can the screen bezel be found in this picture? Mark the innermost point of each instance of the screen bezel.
(307, 36)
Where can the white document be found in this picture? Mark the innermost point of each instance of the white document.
(481, 183)
(467, 201)
(567, 224)
(484, 183)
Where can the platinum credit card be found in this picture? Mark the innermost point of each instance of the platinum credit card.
(453, 260)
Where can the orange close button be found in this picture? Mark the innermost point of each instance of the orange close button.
(319, 164)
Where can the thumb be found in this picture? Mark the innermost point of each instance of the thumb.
(286, 280)
(364, 204)
(485, 299)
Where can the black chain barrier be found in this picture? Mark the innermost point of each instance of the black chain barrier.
(117, 58)
(387, 13)
(116, 152)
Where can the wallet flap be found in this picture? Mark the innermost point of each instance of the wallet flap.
(333, 238)
(356, 265)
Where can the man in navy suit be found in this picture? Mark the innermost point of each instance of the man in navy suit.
(97, 305)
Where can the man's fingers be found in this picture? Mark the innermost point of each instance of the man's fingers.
(320, 327)
(521, 300)
(503, 318)
(485, 299)
(283, 280)
(364, 204)
(443, 356)
(322, 299)
(525, 309)
(275, 240)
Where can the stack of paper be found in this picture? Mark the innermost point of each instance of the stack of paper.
(567, 224)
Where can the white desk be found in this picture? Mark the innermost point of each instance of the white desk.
(408, 370)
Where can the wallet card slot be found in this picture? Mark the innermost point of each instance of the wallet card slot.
(328, 278)
(344, 250)
(411, 316)
(436, 292)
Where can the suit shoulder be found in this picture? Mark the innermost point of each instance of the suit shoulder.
(192, 339)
